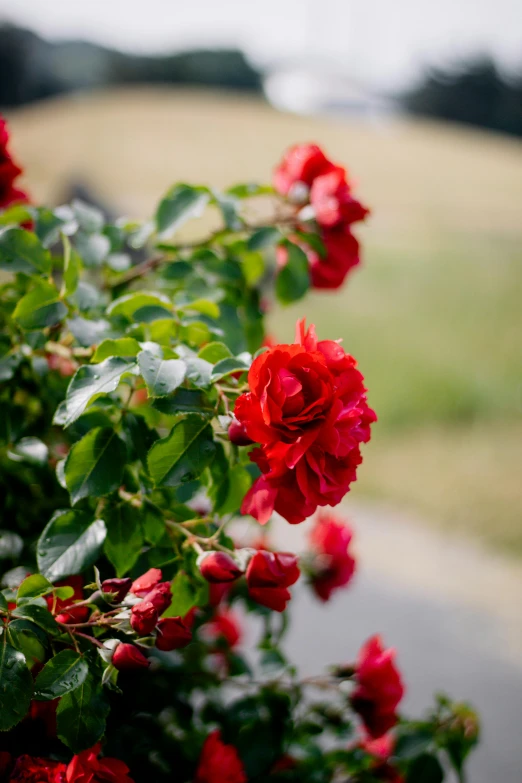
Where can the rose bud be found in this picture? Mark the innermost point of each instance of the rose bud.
(219, 567)
(160, 597)
(173, 634)
(146, 582)
(74, 615)
(269, 575)
(118, 587)
(127, 657)
(237, 434)
(143, 618)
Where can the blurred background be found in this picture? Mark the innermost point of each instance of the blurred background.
(423, 102)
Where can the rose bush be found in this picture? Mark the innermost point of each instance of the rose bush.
(143, 410)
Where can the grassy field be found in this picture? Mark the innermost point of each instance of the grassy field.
(434, 316)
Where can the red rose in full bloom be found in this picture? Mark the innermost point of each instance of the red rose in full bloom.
(307, 408)
(87, 767)
(219, 567)
(65, 609)
(36, 770)
(269, 575)
(9, 172)
(127, 657)
(332, 200)
(379, 687)
(330, 539)
(301, 164)
(219, 763)
(173, 634)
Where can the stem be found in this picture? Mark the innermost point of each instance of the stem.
(90, 639)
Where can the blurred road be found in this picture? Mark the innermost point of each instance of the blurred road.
(453, 613)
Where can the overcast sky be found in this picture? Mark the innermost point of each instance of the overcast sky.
(384, 42)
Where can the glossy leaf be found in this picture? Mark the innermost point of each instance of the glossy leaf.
(39, 615)
(293, 279)
(16, 686)
(124, 537)
(229, 366)
(123, 346)
(187, 592)
(215, 352)
(91, 380)
(32, 587)
(183, 454)
(39, 308)
(183, 401)
(21, 251)
(181, 203)
(70, 543)
(61, 674)
(162, 376)
(81, 716)
(29, 639)
(32, 451)
(94, 465)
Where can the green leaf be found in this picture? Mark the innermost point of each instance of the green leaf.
(94, 465)
(32, 451)
(129, 304)
(186, 593)
(60, 675)
(124, 346)
(11, 545)
(162, 376)
(21, 251)
(124, 537)
(39, 615)
(293, 280)
(32, 587)
(425, 768)
(412, 744)
(181, 203)
(39, 308)
(70, 543)
(91, 380)
(81, 716)
(48, 225)
(29, 639)
(16, 686)
(229, 207)
(88, 331)
(90, 219)
(229, 366)
(184, 454)
(253, 267)
(214, 352)
(264, 237)
(183, 401)
(204, 306)
(93, 248)
(232, 491)
(198, 371)
(9, 362)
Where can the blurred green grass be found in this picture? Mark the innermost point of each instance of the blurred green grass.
(433, 315)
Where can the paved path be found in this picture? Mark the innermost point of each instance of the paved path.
(453, 612)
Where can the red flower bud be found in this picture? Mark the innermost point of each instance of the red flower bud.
(219, 567)
(173, 634)
(269, 575)
(127, 657)
(144, 617)
(120, 588)
(160, 597)
(237, 434)
(73, 615)
(146, 582)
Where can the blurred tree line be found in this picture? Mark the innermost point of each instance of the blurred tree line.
(32, 68)
(475, 93)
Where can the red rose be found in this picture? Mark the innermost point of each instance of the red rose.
(219, 763)
(127, 657)
(160, 597)
(144, 617)
(173, 634)
(330, 539)
(302, 163)
(217, 592)
(118, 587)
(66, 367)
(36, 770)
(45, 713)
(9, 172)
(65, 609)
(332, 200)
(379, 687)
(269, 575)
(342, 254)
(382, 749)
(307, 408)
(87, 767)
(237, 434)
(219, 567)
(146, 582)
(223, 626)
